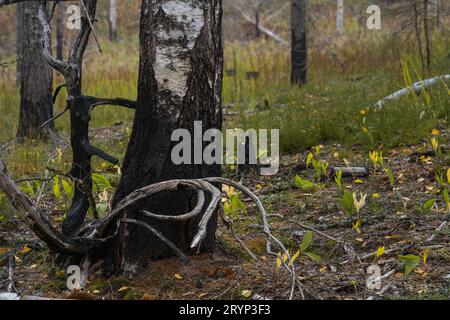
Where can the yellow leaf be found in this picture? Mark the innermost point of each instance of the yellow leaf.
(435, 143)
(3, 250)
(359, 181)
(426, 252)
(380, 251)
(294, 257)
(323, 269)
(376, 195)
(178, 277)
(435, 132)
(26, 249)
(448, 175)
(279, 263)
(202, 295)
(246, 293)
(123, 289)
(229, 191)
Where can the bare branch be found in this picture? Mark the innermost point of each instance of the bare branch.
(7, 2)
(82, 39)
(169, 243)
(197, 210)
(94, 151)
(58, 65)
(113, 102)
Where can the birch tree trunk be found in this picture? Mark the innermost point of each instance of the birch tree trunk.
(36, 80)
(180, 82)
(299, 54)
(340, 17)
(112, 20)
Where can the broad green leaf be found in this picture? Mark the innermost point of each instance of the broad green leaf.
(56, 188)
(306, 241)
(427, 206)
(314, 257)
(68, 188)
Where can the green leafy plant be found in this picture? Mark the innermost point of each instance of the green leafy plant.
(234, 206)
(304, 184)
(427, 206)
(409, 263)
(305, 244)
(347, 202)
(338, 180)
(321, 168)
(391, 177)
(446, 200)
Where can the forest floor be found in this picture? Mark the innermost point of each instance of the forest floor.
(395, 225)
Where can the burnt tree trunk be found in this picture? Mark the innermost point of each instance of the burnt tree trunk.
(36, 79)
(299, 49)
(180, 81)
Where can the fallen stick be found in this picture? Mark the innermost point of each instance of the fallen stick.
(264, 30)
(416, 87)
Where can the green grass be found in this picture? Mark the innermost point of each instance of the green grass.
(337, 105)
(328, 109)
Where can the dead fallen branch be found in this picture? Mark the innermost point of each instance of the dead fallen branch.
(261, 28)
(416, 87)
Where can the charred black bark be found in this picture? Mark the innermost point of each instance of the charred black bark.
(36, 79)
(299, 50)
(180, 82)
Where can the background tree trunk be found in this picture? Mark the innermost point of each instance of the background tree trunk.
(19, 39)
(36, 79)
(299, 55)
(340, 16)
(60, 25)
(181, 62)
(426, 28)
(112, 20)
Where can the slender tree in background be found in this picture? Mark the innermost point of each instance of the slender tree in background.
(426, 27)
(299, 49)
(180, 81)
(112, 20)
(36, 105)
(19, 39)
(60, 26)
(340, 16)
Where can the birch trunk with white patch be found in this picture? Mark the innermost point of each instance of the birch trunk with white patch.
(180, 82)
(340, 17)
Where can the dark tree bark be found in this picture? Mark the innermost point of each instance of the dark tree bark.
(299, 54)
(181, 61)
(36, 79)
(60, 25)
